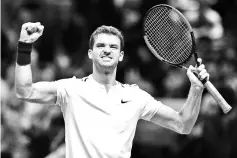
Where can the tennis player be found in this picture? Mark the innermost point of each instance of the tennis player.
(100, 113)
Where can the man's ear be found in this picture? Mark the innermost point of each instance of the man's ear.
(90, 53)
(121, 56)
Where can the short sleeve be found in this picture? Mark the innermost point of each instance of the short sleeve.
(150, 109)
(61, 99)
(149, 105)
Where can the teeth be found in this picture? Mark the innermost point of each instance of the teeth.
(106, 57)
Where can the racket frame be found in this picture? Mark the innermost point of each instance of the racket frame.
(193, 50)
(210, 87)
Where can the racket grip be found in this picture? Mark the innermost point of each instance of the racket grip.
(217, 96)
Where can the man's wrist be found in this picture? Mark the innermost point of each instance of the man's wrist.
(196, 88)
(24, 53)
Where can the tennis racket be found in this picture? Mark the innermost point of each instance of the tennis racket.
(170, 37)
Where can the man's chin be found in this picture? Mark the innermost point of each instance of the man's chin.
(108, 66)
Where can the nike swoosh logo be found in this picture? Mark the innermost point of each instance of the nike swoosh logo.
(125, 101)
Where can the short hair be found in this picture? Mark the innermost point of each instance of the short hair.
(106, 30)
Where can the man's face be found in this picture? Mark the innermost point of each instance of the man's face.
(106, 51)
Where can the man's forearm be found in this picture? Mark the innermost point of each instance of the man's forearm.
(23, 74)
(190, 110)
(23, 80)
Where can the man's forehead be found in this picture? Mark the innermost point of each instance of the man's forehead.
(106, 38)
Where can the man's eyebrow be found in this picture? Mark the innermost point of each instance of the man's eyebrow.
(99, 43)
(114, 45)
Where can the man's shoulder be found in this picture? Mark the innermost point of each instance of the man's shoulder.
(134, 92)
(83, 79)
(129, 87)
(133, 89)
(72, 81)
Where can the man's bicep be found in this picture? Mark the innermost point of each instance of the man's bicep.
(43, 92)
(168, 118)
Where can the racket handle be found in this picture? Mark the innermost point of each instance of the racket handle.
(217, 96)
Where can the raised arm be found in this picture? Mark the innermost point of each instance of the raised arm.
(41, 92)
(183, 121)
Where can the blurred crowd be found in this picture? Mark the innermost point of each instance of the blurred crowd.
(37, 131)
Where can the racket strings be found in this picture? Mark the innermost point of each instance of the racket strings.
(166, 34)
(169, 35)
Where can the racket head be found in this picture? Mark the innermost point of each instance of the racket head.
(168, 34)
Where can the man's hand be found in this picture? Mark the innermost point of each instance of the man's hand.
(30, 32)
(201, 74)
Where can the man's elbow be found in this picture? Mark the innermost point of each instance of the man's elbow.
(22, 93)
(180, 128)
(186, 132)
(186, 125)
(20, 96)
(183, 128)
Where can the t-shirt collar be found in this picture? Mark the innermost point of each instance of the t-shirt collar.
(96, 83)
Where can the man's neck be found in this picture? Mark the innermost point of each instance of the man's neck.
(106, 79)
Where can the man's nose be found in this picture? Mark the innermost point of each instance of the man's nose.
(107, 49)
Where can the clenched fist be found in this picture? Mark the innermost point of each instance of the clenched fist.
(30, 32)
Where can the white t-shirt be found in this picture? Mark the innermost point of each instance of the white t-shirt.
(100, 124)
